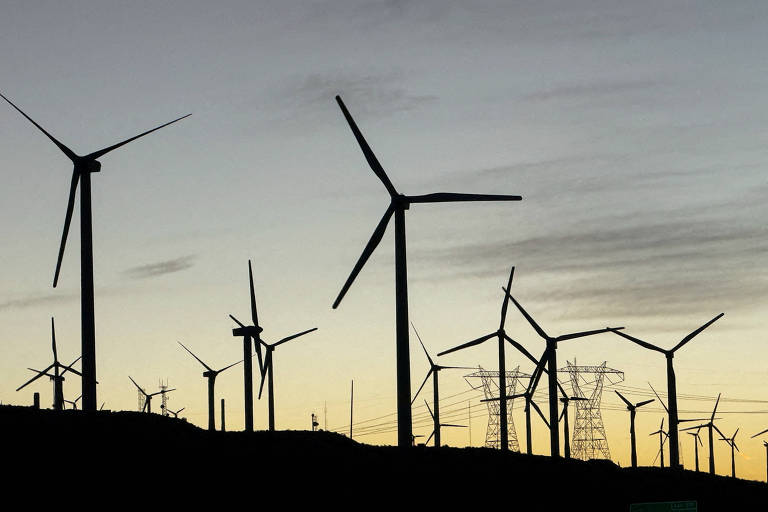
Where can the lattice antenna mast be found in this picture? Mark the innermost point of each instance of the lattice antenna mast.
(164, 397)
(489, 383)
(589, 438)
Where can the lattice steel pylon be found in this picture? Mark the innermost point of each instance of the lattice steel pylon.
(489, 382)
(589, 440)
(164, 396)
(141, 400)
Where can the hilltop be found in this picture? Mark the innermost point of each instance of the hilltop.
(147, 455)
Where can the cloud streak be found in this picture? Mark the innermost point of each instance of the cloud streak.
(160, 268)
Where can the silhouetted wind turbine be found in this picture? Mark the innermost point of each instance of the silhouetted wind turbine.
(732, 443)
(766, 450)
(710, 425)
(434, 371)
(176, 413)
(57, 378)
(268, 372)
(73, 403)
(501, 336)
(565, 399)
(674, 454)
(248, 333)
(696, 442)
(632, 412)
(399, 203)
(148, 396)
(436, 429)
(662, 438)
(551, 354)
(83, 167)
(211, 375)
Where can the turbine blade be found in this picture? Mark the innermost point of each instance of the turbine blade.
(67, 222)
(230, 366)
(452, 425)
(429, 409)
(254, 314)
(431, 362)
(537, 372)
(586, 333)
(695, 427)
(624, 400)
(468, 344)
(238, 322)
(644, 402)
(639, 341)
(659, 398)
(562, 414)
(715, 409)
(541, 414)
(521, 348)
(373, 162)
(64, 149)
(139, 387)
(97, 154)
(30, 381)
(449, 197)
(267, 364)
(422, 385)
(53, 342)
(505, 303)
(292, 336)
(718, 430)
(696, 332)
(70, 369)
(528, 317)
(760, 433)
(376, 237)
(193, 355)
(429, 438)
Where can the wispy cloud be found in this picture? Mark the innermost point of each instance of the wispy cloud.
(160, 268)
(38, 300)
(590, 90)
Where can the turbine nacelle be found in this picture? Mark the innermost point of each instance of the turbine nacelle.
(251, 330)
(85, 164)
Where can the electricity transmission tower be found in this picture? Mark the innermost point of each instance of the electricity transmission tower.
(489, 383)
(164, 396)
(589, 440)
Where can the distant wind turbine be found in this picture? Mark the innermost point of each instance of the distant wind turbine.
(437, 426)
(148, 396)
(710, 425)
(766, 450)
(83, 167)
(696, 442)
(398, 205)
(674, 453)
(732, 443)
(211, 375)
(632, 408)
(663, 436)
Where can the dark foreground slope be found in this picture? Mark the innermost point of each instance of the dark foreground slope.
(127, 455)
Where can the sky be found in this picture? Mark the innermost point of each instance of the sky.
(635, 133)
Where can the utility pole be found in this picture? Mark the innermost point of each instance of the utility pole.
(223, 425)
(351, 407)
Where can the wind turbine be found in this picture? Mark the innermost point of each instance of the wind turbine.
(501, 337)
(248, 333)
(551, 356)
(565, 399)
(732, 443)
(148, 397)
(436, 429)
(268, 372)
(674, 454)
(176, 413)
(83, 167)
(73, 403)
(696, 442)
(663, 436)
(211, 375)
(632, 412)
(398, 205)
(434, 370)
(710, 425)
(766, 450)
(57, 378)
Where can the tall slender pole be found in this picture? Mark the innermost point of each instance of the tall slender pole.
(528, 440)
(88, 322)
(632, 439)
(554, 434)
(504, 435)
(469, 424)
(566, 433)
(351, 407)
(696, 450)
(436, 406)
(674, 447)
(766, 460)
(733, 460)
(403, 357)
(248, 383)
(211, 411)
(661, 447)
(223, 423)
(711, 451)
(271, 396)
